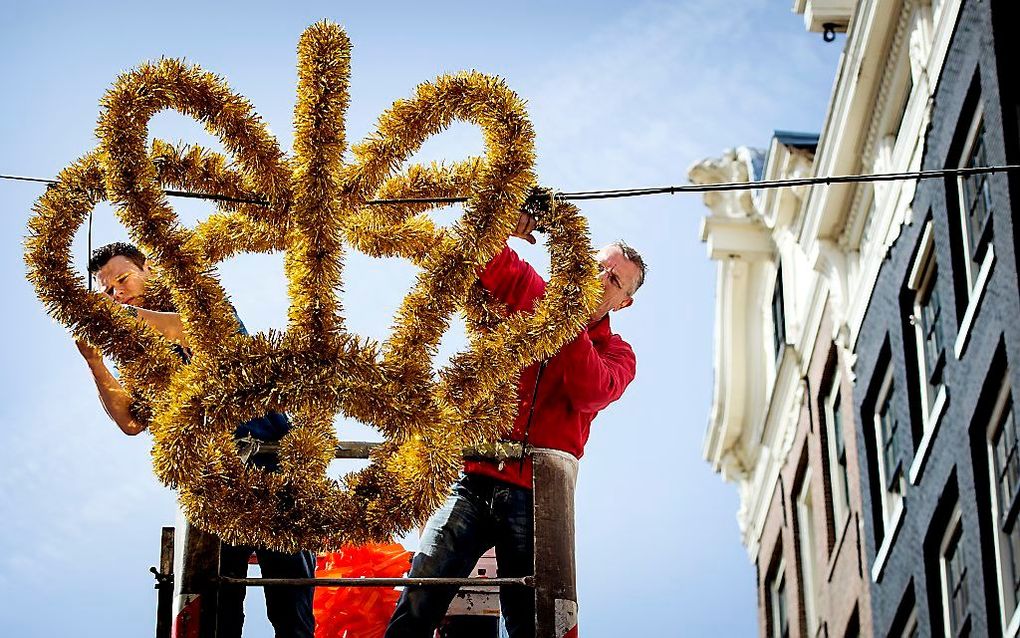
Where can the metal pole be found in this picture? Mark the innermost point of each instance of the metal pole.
(165, 584)
(344, 449)
(355, 449)
(554, 478)
(526, 581)
(197, 603)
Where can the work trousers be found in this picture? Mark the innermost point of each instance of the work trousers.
(289, 608)
(479, 514)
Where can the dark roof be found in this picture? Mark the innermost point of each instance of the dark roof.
(796, 139)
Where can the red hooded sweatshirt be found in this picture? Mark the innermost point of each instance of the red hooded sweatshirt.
(582, 378)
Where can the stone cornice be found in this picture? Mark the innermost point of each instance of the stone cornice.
(819, 13)
(853, 98)
(737, 238)
(884, 103)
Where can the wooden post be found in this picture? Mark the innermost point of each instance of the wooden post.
(165, 584)
(554, 479)
(197, 599)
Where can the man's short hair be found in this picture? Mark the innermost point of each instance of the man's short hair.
(102, 255)
(635, 258)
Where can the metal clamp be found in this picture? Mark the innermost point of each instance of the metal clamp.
(162, 580)
(499, 452)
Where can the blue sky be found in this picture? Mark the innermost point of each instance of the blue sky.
(621, 94)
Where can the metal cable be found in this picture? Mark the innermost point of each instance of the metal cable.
(635, 192)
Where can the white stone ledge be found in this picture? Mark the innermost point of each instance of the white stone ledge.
(976, 294)
(892, 530)
(931, 428)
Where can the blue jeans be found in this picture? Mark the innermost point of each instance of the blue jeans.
(289, 608)
(479, 513)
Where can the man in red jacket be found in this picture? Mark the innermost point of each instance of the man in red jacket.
(491, 504)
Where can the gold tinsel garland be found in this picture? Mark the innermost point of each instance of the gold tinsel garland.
(315, 369)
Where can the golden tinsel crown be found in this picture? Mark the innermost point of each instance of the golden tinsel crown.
(314, 203)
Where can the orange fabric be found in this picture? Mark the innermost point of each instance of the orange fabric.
(358, 612)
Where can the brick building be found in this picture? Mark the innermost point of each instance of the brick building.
(937, 361)
(865, 334)
(782, 400)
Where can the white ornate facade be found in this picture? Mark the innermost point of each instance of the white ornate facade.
(826, 242)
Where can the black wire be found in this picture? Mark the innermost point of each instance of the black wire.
(637, 192)
(786, 183)
(219, 198)
(19, 178)
(88, 257)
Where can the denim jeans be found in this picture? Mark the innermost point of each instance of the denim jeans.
(289, 608)
(480, 513)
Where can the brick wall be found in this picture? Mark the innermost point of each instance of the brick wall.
(839, 585)
(956, 468)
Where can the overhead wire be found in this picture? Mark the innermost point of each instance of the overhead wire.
(634, 192)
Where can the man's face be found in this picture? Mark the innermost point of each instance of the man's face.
(123, 281)
(619, 277)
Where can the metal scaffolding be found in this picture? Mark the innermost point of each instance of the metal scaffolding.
(553, 579)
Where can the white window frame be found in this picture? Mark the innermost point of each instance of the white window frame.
(778, 323)
(964, 221)
(976, 282)
(955, 524)
(922, 275)
(911, 625)
(840, 490)
(892, 503)
(779, 608)
(1010, 620)
(807, 549)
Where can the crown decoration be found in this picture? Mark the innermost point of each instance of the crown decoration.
(313, 204)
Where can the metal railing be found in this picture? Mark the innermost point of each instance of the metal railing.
(553, 580)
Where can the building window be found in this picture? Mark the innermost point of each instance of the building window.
(806, 541)
(975, 205)
(839, 484)
(1004, 468)
(886, 464)
(890, 464)
(971, 228)
(778, 315)
(779, 626)
(928, 318)
(955, 589)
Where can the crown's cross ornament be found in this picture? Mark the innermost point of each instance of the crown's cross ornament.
(315, 203)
